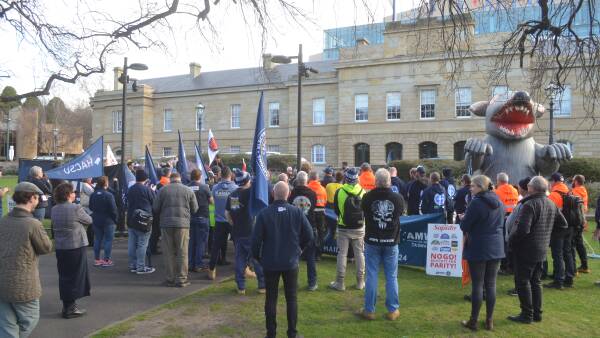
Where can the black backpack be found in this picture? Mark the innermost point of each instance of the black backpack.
(353, 216)
(573, 211)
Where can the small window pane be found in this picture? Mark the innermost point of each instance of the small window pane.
(463, 102)
(393, 152)
(234, 149)
(117, 122)
(273, 148)
(274, 114)
(168, 120)
(393, 106)
(427, 150)
(362, 154)
(562, 103)
(459, 150)
(167, 151)
(361, 106)
(428, 103)
(319, 111)
(318, 153)
(500, 90)
(235, 115)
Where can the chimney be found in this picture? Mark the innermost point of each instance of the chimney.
(362, 42)
(267, 63)
(195, 69)
(117, 71)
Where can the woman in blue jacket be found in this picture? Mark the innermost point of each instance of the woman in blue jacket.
(482, 225)
(104, 216)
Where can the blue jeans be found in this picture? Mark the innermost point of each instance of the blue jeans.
(103, 238)
(242, 257)
(39, 213)
(137, 244)
(18, 319)
(198, 242)
(310, 253)
(388, 255)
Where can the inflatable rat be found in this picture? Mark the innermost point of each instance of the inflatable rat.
(509, 145)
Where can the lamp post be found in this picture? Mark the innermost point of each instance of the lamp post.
(199, 117)
(124, 79)
(55, 133)
(552, 90)
(302, 72)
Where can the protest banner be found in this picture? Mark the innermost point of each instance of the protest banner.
(86, 165)
(444, 250)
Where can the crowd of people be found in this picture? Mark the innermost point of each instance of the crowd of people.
(506, 228)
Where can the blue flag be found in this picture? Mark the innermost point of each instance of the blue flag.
(200, 163)
(182, 165)
(88, 164)
(259, 195)
(126, 180)
(150, 168)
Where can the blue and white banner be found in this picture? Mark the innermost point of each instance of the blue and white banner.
(89, 164)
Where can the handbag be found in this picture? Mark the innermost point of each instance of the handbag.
(141, 220)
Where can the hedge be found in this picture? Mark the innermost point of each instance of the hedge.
(588, 167)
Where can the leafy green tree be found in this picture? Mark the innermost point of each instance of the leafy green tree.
(5, 107)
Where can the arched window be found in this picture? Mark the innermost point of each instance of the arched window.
(427, 150)
(318, 153)
(568, 144)
(459, 150)
(362, 153)
(393, 152)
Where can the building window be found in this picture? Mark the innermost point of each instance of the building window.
(273, 148)
(393, 152)
(168, 120)
(318, 153)
(319, 111)
(117, 122)
(361, 107)
(274, 114)
(167, 151)
(459, 150)
(199, 117)
(562, 103)
(427, 150)
(500, 90)
(568, 144)
(462, 99)
(235, 115)
(428, 103)
(393, 103)
(234, 149)
(362, 154)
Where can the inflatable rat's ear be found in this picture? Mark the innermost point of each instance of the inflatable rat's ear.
(539, 110)
(479, 108)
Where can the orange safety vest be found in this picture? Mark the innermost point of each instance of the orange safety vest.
(558, 190)
(581, 191)
(367, 180)
(508, 195)
(164, 180)
(320, 192)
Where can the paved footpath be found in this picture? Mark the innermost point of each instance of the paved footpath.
(116, 293)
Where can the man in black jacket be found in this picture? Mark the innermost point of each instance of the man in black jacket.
(463, 197)
(414, 190)
(139, 196)
(529, 241)
(281, 232)
(435, 199)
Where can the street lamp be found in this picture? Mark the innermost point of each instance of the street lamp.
(302, 72)
(124, 79)
(552, 90)
(199, 117)
(55, 133)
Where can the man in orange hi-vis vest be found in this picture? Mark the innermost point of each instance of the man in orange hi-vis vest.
(366, 179)
(317, 187)
(509, 196)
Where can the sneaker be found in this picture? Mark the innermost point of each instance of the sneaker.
(241, 291)
(360, 285)
(107, 263)
(554, 285)
(132, 270)
(392, 315)
(73, 311)
(262, 291)
(583, 270)
(146, 270)
(597, 283)
(365, 315)
(512, 292)
(313, 287)
(98, 262)
(183, 284)
(212, 274)
(336, 286)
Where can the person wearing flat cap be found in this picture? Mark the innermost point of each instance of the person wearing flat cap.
(238, 215)
(23, 239)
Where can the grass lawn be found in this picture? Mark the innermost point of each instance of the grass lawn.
(9, 182)
(429, 306)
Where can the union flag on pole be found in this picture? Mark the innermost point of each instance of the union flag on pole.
(213, 147)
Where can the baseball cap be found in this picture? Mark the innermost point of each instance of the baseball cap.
(140, 175)
(328, 170)
(351, 175)
(557, 177)
(524, 182)
(28, 187)
(420, 169)
(241, 177)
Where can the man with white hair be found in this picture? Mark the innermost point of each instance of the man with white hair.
(382, 208)
(280, 233)
(36, 176)
(529, 240)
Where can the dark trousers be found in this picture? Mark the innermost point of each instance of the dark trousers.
(222, 230)
(562, 257)
(483, 276)
(529, 286)
(290, 286)
(154, 236)
(321, 230)
(580, 247)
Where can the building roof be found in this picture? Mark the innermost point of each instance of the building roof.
(232, 77)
